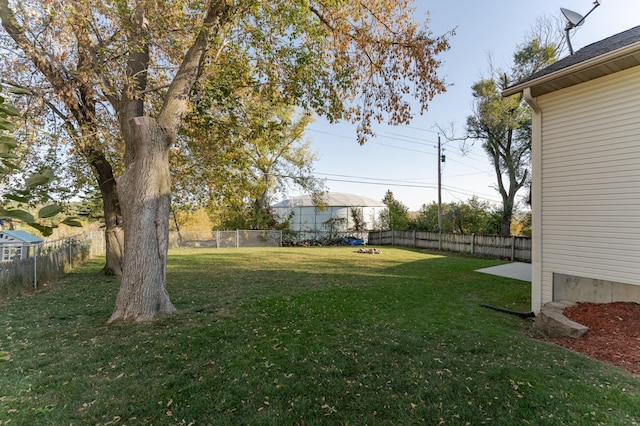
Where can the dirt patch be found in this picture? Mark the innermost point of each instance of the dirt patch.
(613, 335)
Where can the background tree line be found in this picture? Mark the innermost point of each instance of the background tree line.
(463, 217)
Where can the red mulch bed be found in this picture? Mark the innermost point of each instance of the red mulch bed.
(613, 335)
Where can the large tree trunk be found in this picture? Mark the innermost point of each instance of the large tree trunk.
(144, 193)
(113, 233)
(505, 226)
(507, 215)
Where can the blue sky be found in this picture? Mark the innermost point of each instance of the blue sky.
(404, 159)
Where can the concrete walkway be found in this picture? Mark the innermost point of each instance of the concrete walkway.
(516, 270)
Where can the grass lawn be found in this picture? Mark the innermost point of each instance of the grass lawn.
(292, 336)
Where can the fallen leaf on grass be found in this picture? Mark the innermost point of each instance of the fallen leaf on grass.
(330, 409)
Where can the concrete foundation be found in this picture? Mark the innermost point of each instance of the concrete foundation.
(580, 289)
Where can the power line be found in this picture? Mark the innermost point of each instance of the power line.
(372, 181)
(423, 130)
(368, 178)
(391, 183)
(481, 196)
(395, 183)
(467, 155)
(404, 149)
(333, 134)
(404, 138)
(471, 167)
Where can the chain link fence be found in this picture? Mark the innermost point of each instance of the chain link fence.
(225, 239)
(52, 259)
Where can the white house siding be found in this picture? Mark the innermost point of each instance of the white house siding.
(590, 181)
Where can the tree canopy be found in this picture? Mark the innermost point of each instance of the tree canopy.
(462, 217)
(133, 66)
(397, 214)
(239, 146)
(503, 125)
(35, 188)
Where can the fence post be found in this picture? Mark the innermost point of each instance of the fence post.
(414, 238)
(513, 248)
(439, 241)
(473, 243)
(70, 254)
(35, 268)
(237, 238)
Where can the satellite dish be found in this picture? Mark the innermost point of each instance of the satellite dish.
(574, 19)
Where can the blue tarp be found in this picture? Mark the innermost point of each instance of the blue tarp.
(353, 241)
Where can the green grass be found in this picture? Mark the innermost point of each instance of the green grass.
(292, 335)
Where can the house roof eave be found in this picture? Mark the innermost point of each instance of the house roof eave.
(623, 58)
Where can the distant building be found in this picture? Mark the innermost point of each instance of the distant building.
(344, 214)
(16, 244)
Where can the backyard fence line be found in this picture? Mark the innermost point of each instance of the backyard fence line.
(53, 259)
(48, 261)
(225, 239)
(304, 237)
(514, 248)
(258, 238)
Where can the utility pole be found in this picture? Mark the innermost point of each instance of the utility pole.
(440, 160)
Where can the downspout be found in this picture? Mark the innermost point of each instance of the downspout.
(537, 299)
(530, 100)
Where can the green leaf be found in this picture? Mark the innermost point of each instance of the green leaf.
(10, 165)
(6, 125)
(72, 221)
(49, 211)
(37, 180)
(48, 173)
(8, 155)
(19, 91)
(44, 230)
(18, 198)
(9, 110)
(19, 214)
(8, 140)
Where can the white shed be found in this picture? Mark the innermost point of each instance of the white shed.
(16, 244)
(340, 217)
(586, 173)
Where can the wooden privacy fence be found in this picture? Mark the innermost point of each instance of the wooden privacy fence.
(514, 248)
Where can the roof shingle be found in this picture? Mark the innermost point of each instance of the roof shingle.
(590, 51)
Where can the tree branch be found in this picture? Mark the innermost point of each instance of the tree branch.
(177, 97)
(16, 32)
